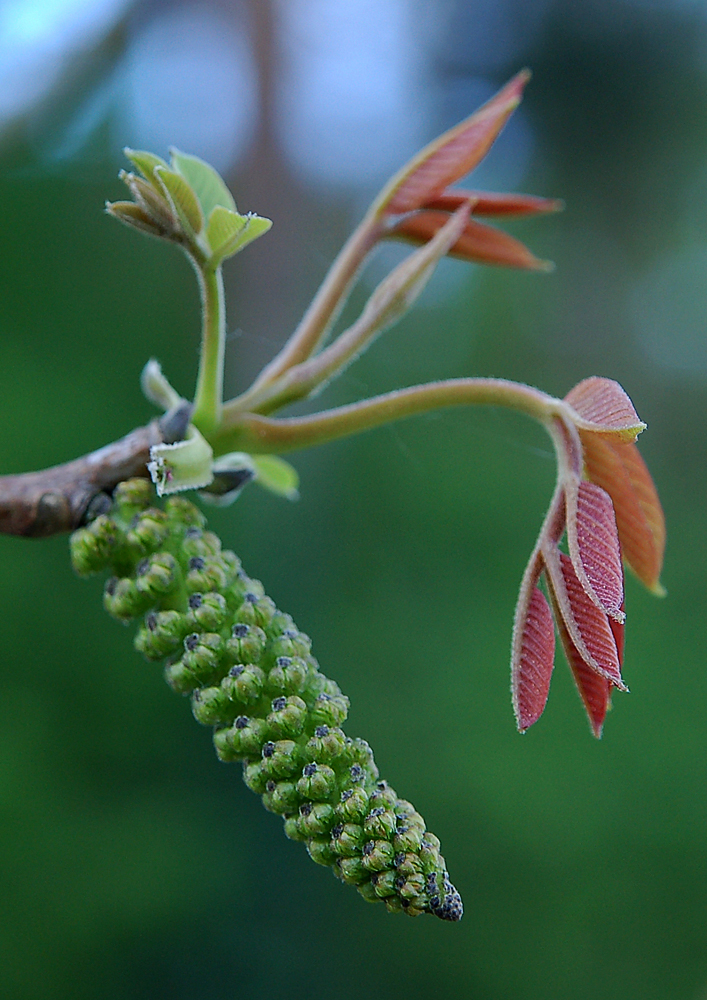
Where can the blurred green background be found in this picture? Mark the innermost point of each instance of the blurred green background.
(134, 865)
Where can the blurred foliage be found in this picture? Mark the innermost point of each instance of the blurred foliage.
(134, 864)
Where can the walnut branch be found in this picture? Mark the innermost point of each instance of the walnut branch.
(38, 504)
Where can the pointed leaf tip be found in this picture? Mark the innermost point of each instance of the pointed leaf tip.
(533, 660)
(594, 690)
(477, 243)
(453, 154)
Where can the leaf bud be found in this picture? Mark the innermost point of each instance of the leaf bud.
(93, 547)
(281, 758)
(315, 818)
(287, 676)
(347, 839)
(243, 739)
(199, 664)
(368, 892)
(320, 852)
(198, 542)
(383, 795)
(377, 855)
(408, 838)
(255, 777)
(162, 634)
(210, 705)
(157, 575)
(280, 797)
(353, 806)
(123, 600)
(380, 823)
(132, 497)
(244, 683)
(292, 828)
(206, 611)
(407, 864)
(287, 720)
(384, 883)
(205, 574)
(290, 643)
(325, 745)
(351, 870)
(246, 645)
(181, 511)
(318, 781)
(147, 532)
(255, 610)
(329, 710)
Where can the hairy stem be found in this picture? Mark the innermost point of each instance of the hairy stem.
(208, 401)
(258, 434)
(322, 312)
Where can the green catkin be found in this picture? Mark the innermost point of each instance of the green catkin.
(251, 676)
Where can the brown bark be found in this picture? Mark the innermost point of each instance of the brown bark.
(38, 504)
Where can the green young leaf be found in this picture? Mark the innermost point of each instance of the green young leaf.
(276, 475)
(182, 198)
(146, 163)
(228, 232)
(223, 227)
(204, 182)
(185, 465)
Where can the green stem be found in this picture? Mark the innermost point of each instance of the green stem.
(321, 313)
(208, 401)
(258, 434)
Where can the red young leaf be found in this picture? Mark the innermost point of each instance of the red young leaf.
(619, 469)
(594, 690)
(588, 627)
(488, 203)
(478, 243)
(533, 658)
(604, 407)
(594, 546)
(453, 154)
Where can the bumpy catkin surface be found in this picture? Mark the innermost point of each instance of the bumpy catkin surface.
(251, 676)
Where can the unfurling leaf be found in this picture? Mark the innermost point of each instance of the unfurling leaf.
(587, 625)
(146, 163)
(533, 658)
(182, 199)
(618, 468)
(603, 407)
(489, 203)
(594, 546)
(206, 184)
(135, 216)
(453, 154)
(477, 243)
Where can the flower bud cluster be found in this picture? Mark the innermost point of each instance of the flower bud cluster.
(250, 674)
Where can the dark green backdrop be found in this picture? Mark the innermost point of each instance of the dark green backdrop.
(134, 865)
